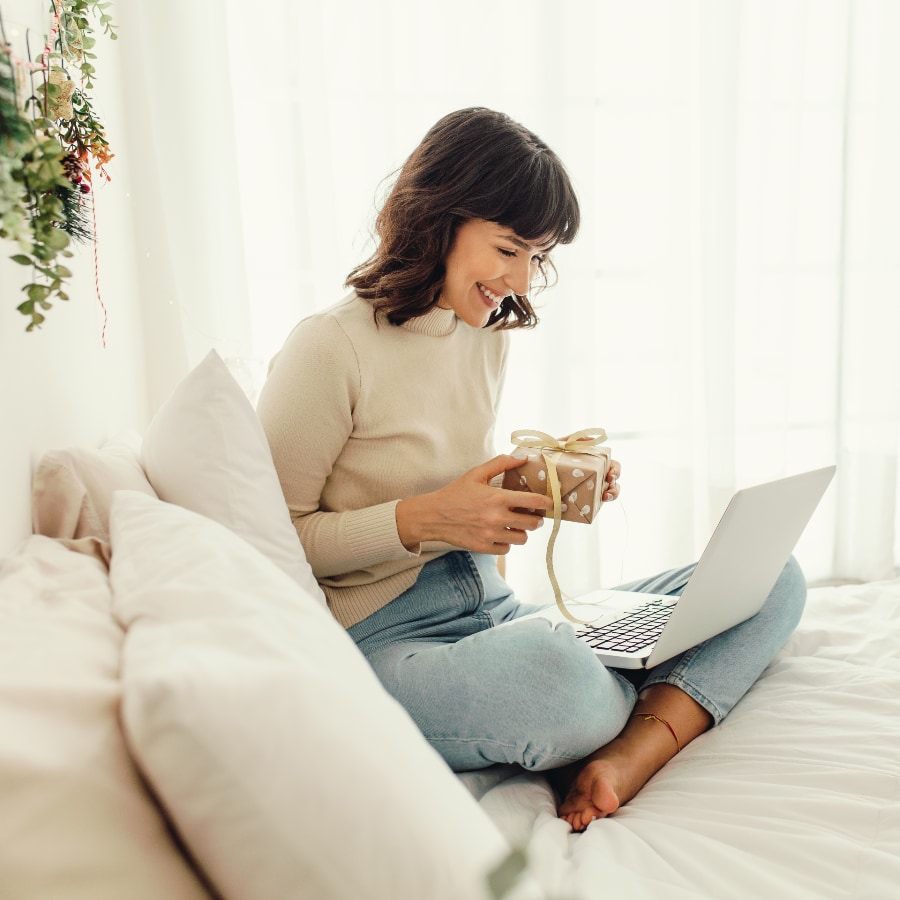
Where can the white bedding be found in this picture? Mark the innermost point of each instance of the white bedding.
(796, 794)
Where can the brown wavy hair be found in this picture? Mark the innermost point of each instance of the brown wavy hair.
(472, 164)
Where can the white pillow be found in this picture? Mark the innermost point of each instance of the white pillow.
(76, 820)
(285, 766)
(206, 450)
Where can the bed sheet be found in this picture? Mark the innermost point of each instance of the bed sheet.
(796, 794)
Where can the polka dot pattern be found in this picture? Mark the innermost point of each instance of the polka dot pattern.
(581, 480)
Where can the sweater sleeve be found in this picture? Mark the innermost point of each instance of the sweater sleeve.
(306, 409)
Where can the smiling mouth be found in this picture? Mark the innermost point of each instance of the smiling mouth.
(493, 299)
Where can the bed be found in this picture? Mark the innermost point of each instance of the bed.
(180, 717)
(796, 794)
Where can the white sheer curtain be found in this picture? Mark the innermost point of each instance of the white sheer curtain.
(730, 311)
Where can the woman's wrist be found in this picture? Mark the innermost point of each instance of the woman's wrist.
(407, 515)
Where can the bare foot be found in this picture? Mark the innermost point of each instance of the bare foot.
(612, 775)
(594, 794)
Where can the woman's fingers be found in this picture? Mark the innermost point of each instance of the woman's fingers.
(496, 466)
(525, 521)
(511, 500)
(612, 481)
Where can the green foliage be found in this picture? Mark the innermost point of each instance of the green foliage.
(76, 39)
(46, 145)
(31, 181)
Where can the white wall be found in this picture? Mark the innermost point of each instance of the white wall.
(60, 385)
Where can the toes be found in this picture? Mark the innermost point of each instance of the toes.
(579, 819)
(581, 822)
(572, 805)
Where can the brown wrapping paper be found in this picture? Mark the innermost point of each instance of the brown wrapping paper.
(582, 479)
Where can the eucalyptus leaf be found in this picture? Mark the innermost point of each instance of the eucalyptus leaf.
(58, 239)
(37, 293)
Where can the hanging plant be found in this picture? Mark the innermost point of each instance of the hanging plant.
(47, 146)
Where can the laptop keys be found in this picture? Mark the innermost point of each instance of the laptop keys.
(634, 631)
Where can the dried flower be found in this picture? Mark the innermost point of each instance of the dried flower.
(59, 95)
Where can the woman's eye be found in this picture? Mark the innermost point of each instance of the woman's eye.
(536, 260)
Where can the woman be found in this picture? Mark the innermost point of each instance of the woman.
(380, 415)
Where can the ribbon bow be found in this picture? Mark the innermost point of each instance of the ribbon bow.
(585, 441)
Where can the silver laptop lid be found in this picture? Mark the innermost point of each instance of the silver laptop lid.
(743, 559)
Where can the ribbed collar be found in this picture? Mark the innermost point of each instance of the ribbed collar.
(436, 322)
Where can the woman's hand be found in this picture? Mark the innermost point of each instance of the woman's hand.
(612, 477)
(470, 514)
(612, 481)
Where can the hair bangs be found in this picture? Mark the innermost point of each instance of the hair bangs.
(539, 202)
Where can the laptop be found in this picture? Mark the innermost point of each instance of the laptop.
(741, 563)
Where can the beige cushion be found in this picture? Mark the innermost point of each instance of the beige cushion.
(72, 491)
(75, 819)
(287, 768)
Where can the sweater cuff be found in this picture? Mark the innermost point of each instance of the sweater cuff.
(372, 535)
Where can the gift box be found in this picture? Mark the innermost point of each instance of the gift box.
(581, 472)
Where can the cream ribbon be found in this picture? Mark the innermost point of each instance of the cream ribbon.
(585, 441)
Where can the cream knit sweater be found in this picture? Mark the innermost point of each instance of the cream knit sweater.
(360, 416)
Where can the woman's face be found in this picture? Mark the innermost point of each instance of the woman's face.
(487, 263)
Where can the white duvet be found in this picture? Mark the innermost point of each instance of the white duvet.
(796, 794)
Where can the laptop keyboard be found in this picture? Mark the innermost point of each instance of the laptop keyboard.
(634, 631)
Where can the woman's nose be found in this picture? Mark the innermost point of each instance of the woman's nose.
(518, 278)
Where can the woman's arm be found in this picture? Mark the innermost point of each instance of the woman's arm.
(306, 409)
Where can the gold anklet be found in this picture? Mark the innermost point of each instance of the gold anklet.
(648, 717)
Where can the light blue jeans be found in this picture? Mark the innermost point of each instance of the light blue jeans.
(535, 695)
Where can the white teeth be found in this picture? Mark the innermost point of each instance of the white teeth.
(494, 298)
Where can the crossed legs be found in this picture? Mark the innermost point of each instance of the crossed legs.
(537, 697)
